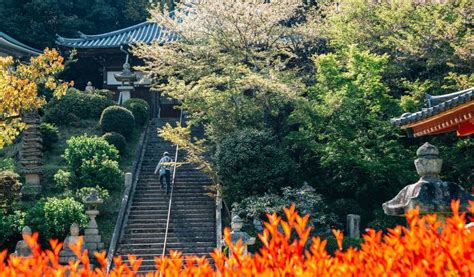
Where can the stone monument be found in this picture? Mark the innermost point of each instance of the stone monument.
(353, 225)
(31, 156)
(92, 238)
(236, 233)
(66, 254)
(89, 88)
(22, 249)
(430, 193)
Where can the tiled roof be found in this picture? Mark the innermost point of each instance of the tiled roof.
(144, 32)
(442, 103)
(18, 45)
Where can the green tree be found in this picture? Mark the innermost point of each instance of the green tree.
(350, 147)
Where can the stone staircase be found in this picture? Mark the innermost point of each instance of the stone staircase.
(192, 229)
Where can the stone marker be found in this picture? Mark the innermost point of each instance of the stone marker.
(430, 193)
(236, 234)
(22, 249)
(353, 225)
(89, 88)
(66, 254)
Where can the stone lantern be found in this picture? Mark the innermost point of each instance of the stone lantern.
(236, 233)
(127, 78)
(430, 193)
(92, 238)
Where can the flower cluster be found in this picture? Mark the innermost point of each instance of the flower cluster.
(426, 247)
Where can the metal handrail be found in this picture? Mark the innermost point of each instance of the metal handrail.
(171, 192)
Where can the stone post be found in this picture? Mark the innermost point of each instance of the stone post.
(128, 179)
(31, 156)
(92, 238)
(353, 226)
(219, 218)
(430, 193)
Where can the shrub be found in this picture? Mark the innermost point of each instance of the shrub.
(102, 193)
(84, 148)
(7, 164)
(117, 119)
(116, 140)
(100, 172)
(10, 225)
(10, 187)
(250, 163)
(140, 110)
(82, 105)
(49, 133)
(63, 179)
(52, 217)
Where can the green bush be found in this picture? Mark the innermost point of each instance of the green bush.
(117, 119)
(93, 161)
(49, 133)
(84, 148)
(116, 140)
(63, 179)
(53, 217)
(7, 164)
(10, 226)
(100, 172)
(140, 110)
(82, 105)
(250, 163)
(10, 187)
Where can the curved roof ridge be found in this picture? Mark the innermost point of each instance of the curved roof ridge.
(16, 42)
(116, 32)
(146, 32)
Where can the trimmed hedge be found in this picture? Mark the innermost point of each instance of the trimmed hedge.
(116, 140)
(140, 110)
(117, 119)
(80, 104)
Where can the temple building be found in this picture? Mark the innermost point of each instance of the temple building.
(12, 47)
(105, 57)
(444, 113)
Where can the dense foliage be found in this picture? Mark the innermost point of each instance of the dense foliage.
(117, 119)
(426, 247)
(19, 89)
(49, 134)
(93, 161)
(37, 21)
(250, 162)
(52, 217)
(10, 187)
(140, 110)
(324, 82)
(116, 140)
(305, 199)
(76, 104)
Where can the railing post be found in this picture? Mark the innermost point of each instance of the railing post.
(128, 179)
(219, 218)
